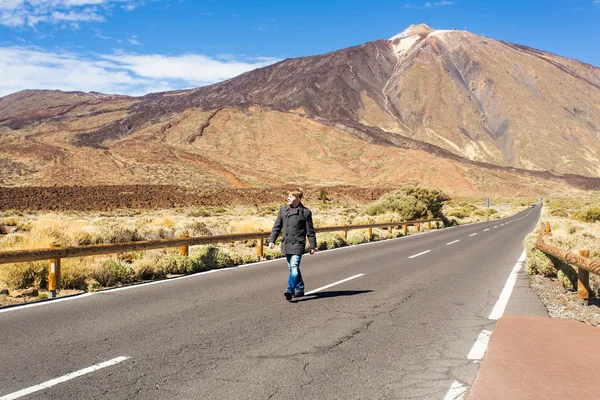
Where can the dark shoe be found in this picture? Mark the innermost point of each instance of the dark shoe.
(299, 293)
(288, 296)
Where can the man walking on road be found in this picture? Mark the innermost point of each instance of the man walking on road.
(296, 222)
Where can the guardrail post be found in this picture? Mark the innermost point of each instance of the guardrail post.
(370, 234)
(405, 229)
(583, 280)
(437, 224)
(429, 225)
(418, 227)
(53, 273)
(390, 231)
(548, 232)
(259, 248)
(345, 233)
(184, 251)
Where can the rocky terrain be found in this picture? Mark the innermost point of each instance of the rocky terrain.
(105, 198)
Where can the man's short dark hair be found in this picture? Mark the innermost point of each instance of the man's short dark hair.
(297, 193)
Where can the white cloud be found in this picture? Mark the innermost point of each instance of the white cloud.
(16, 13)
(122, 73)
(134, 40)
(432, 5)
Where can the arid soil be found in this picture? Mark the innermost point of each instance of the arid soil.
(104, 198)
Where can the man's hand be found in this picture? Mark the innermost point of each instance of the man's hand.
(313, 251)
(271, 245)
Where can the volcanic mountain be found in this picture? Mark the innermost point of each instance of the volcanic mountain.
(447, 108)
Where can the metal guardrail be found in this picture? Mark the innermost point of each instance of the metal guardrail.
(55, 252)
(584, 264)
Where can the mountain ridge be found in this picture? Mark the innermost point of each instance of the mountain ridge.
(423, 90)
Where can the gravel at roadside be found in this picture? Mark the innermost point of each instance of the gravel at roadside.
(562, 303)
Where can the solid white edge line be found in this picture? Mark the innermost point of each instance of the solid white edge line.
(63, 378)
(480, 346)
(420, 254)
(333, 284)
(456, 392)
(59, 300)
(473, 234)
(447, 244)
(498, 309)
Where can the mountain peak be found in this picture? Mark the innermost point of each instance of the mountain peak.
(414, 30)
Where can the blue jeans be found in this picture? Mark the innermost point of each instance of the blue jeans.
(295, 280)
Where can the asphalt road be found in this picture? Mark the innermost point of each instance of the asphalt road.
(402, 329)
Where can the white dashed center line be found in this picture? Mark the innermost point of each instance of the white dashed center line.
(447, 244)
(62, 379)
(420, 254)
(485, 230)
(473, 234)
(333, 284)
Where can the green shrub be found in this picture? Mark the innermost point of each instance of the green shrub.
(244, 259)
(356, 238)
(568, 277)
(42, 296)
(558, 212)
(537, 261)
(146, 268)
(590, 215)
(178, 265)
(409, 203)
(486, 213)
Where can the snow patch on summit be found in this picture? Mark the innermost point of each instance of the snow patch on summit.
(400, 46)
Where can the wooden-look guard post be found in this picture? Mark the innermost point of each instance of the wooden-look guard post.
(56, 252)
(53, 273)
(584, 264)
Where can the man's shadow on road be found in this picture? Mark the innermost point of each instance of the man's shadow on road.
(324, 295)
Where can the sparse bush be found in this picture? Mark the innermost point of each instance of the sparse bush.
(329, 240)
(42, 296)
(200, 212)
(25, 275)
(109, 272)
(323, 196)
(146, 267)
(73, 274)
(195, 228)
(115, 233)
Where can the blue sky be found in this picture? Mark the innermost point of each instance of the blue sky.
(140, 46)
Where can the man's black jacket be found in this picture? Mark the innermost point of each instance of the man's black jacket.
(296, 224)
